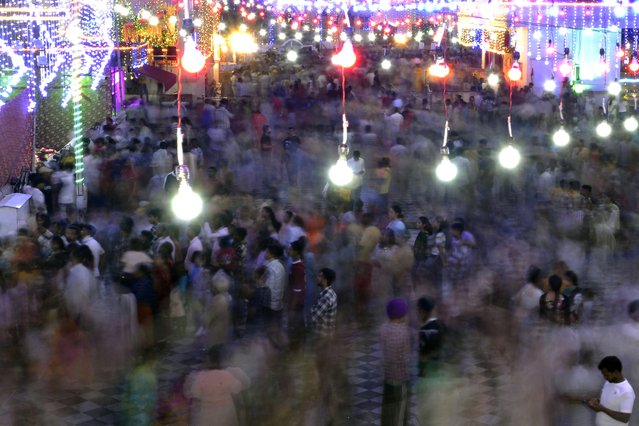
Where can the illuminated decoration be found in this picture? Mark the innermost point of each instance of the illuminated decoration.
(509, 157)
(493, 80)
(550, 85)
(440, 68)
(565, 68)
(620, 11)
(243, 43)
(386, 64)
(491, 33)
(514, 73)
(620, 54)
(631, 124)
(21, 70)
(550, 49)
(633, 66)
(346, 57)
(340, 174)
(446, 171)
(603, 129)
(291, 56)
(192, 59)
(614, 88)
(561, 137)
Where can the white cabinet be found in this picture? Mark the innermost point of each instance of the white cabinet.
(14, 213)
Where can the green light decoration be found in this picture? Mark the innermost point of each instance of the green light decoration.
(77, 62)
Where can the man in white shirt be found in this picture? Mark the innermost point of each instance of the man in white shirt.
(275, 281)
(86, 235)
(81, 289)
(614, 407)
(356, 163)
(195, 244)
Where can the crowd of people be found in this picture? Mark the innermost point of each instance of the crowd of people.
(283, 265)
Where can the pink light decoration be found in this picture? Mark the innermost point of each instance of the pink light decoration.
(603, 67)
(514, 73)
(346, 57)
(565, 68)
(620, 53)
(633, 65)
(192, 60)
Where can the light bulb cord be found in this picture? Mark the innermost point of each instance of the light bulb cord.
(510, 110)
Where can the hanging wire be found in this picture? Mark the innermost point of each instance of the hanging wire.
(510, 110)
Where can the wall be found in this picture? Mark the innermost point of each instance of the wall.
(16, 143)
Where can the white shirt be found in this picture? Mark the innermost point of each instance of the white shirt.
(67, 190)
(394, 122)
(194, 246)
(357, 166)
(616, 397)
(96, 250)
(81, 290)
(276, 281)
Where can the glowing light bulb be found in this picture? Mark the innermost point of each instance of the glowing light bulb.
(561, 137)
(493, 80)
(550, 85)
(603, 129)
(620, 11)
(630, 124)
(620, 53)
(509, 157)
(317, 38)
(154, 20)
(633, 65)
(145, 14)
(514, 73)
(565, 68)
(371, 36)
(263, 32)
(346, 57)
(614, 88)
(172, 20)
(186, 205)
(446, 171)
(358, 38)
(221, 26)
(197, 22)
(386, 64)
(340, 174)
(192, 59)
(439, 69)
(291, 56)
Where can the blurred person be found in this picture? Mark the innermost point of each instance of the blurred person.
(551, 303)
(357, 165)
(573, 298)
(396, 350)
(292, 156)
(195, 244)
(80, 288)
(574, 382)
(218, 314)
(213, 390)
(276, 282)
(64, 181)
(141, 392)
(296, 292)
(86, 233)
(526, 300)
(363, 267)
(396, 223)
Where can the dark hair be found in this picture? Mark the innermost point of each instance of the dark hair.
(426, 223)
(457, 226)
(328, 274)
(397, 209)
(554, 281)
(425, 304)
(195, 228)
(610, 363)
(572, 276)
(126, 224)
(155, 212)
(83, 255)
(275, 250)
(298, 246)
(633, 307)
(215, 355)
(533, 274)
(58, 240)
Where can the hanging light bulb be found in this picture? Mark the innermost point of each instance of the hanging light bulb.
(603, 129)
(386, 64)
(550, 85)
(440, 68)
(633, 66)
(614, 88)
(565, 68)
(291, 55)
(630, 124)
(561, 137)
(620, 11)
(192, 59)
(493, 80)
(446, 171)
(340, 174)
(346, 57)
(550, 50)
(187, 204)
(620, 52)
(514, 73)
(509, 157)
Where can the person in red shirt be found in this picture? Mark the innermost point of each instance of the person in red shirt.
(296, 293)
